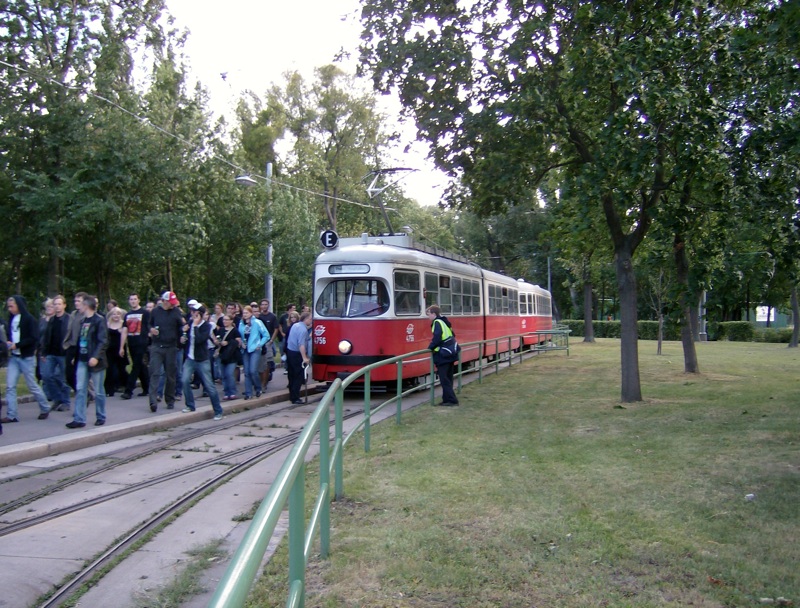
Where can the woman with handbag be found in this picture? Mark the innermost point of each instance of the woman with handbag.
(445, 352)
(229, 343)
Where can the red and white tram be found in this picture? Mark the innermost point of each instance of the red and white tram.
(370, 296)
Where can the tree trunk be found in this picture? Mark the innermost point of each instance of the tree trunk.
(588, 325)
(54, 272)
(795, 318)
(690, 364)
(626, 284)
(660, 333)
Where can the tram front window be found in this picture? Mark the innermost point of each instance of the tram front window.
(353, 298)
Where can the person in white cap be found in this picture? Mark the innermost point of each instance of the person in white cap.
(166, 327)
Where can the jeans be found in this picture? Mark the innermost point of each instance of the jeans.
(252, 381)
(294, 365)
(229, 379)
(54, 372)
(446, 374)
(25, 367)
(82, 374)
(203, 370)
(138, 370)
(162, 363)
(178, 375)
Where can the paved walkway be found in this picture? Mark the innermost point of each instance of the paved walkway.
(31, 438)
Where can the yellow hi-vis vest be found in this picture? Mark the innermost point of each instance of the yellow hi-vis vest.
(446, 332)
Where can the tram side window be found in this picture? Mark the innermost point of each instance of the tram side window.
(495, 300)
(455, 287)
(406, 293)
(431, 289)
(445, 294)
(523, 305)
(513, 301)
(504, 300)
(476, 298)
(532, 303)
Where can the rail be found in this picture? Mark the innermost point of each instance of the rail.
(289, 484)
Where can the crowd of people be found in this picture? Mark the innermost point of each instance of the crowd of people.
(87, 355)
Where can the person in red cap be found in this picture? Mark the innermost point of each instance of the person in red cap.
(166, 327)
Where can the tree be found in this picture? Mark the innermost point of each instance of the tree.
(56, 53)
(622, 96)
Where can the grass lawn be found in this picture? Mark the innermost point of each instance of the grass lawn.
(543, 490)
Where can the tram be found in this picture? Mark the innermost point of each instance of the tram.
(371, 293)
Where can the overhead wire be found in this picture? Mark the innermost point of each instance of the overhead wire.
(146, 121)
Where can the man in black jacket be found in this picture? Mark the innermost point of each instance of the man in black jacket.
(197, 362)
(23, 337)
(54, 356)
(91, 362)
(166, 328)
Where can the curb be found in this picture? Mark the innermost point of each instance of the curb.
(94, 436)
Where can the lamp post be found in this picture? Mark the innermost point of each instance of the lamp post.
(249, 182)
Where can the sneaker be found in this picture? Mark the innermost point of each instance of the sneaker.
(186, 410)
(44, 415)
(125, 396)
(9, 420)
(178, 397)
(153, 407)
(62, 407)
(170, 406)
(75, 425)
(258, 394)
(218, 417)
(99, 422)
(143, 394)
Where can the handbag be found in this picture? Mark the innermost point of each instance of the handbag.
(450, 349)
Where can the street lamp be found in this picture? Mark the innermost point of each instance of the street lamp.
(249, 182)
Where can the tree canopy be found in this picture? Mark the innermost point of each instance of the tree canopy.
(631, 102)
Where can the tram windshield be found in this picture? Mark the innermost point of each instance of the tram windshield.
(353, 298)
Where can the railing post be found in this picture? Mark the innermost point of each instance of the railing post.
(297, 531)
(497, 356)
(433, 382)
(480, 361)
(325, 481)
(339, 436)
(399, 394)
(367, 409)
(510, 351)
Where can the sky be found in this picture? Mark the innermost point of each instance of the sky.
(243, 45)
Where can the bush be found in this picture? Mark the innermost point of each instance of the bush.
(771, 334)
(736, 331)
(648, 330)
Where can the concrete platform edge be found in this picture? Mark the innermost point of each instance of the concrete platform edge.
(92, 436)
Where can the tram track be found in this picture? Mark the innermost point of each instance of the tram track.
(130, 539)
(151, 449)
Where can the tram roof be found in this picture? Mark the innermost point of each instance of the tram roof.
(403, 249)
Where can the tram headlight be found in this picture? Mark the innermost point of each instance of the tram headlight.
(345, 347)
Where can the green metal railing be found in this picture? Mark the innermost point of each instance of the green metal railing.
(289, 484)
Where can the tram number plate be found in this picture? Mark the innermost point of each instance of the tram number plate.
(319, 340)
